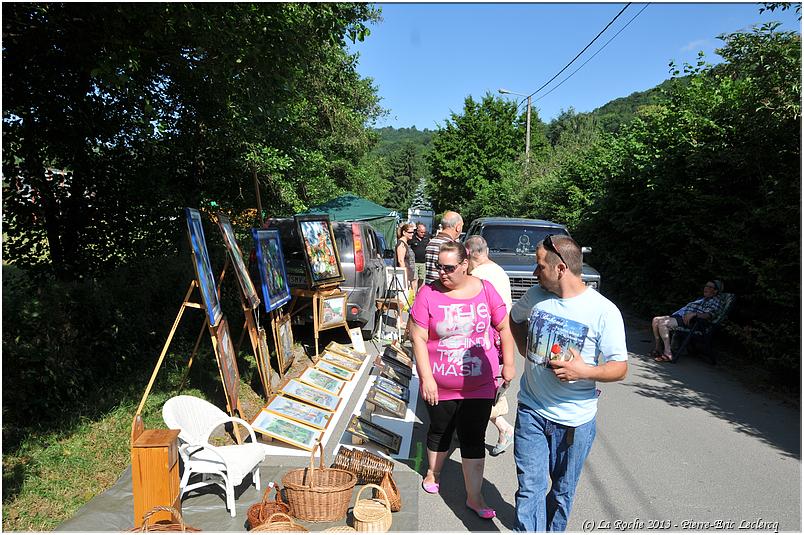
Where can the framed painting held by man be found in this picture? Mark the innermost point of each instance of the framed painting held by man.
(203, 268)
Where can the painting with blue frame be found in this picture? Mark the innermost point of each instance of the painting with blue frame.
(271, 264)
(203, 268)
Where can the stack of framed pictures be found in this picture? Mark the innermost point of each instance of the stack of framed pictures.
(347, 351)
(394, 353)
(292, 431)
(381, 400)
(365, 430)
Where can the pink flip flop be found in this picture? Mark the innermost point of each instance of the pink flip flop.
(486, 513)
(430, 488)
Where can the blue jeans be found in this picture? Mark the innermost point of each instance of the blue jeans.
(542, 455)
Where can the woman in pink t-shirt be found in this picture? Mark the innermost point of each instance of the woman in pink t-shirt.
(457, 361)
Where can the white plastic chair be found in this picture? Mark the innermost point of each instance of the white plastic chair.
(225, 466)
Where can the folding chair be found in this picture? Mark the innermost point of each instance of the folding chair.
(699, 334)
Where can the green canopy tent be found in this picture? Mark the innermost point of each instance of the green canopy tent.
(350, 207)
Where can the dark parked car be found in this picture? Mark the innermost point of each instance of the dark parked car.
(512, 244)
(361, 262)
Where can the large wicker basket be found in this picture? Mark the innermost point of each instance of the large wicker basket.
(259, 512)
(163, 526)
(372, 514)
(368, 467)
(319, 494)
(279, 522)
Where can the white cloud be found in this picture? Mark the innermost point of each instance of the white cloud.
(697, 45)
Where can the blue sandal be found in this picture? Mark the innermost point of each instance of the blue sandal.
(502, 446)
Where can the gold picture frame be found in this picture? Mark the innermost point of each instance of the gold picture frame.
(311, 395)
(391, 405)
(299, 411)
(334, 370)
(346, 351)
(332, 311)
(323, 381)
(286, 430)
(341, 361)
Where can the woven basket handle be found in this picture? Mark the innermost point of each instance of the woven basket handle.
(271, 518)
(147, 516)
(373, 486)
(320, 447)
(265, 496)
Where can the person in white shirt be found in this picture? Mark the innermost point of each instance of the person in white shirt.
(482, 267)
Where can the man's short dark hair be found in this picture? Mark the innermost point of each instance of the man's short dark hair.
(569, 250)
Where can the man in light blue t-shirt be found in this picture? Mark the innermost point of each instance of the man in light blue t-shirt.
(571, 336)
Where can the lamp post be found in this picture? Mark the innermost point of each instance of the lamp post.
(527, 127)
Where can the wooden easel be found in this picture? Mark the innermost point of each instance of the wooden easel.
(274, 317)
(315, 296)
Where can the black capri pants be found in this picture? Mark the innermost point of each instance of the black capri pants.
(469, 417)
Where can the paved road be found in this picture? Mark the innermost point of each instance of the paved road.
(676, 444)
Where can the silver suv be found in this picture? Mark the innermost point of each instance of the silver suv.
(512, 244)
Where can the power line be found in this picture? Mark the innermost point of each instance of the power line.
(582, 51)
(595, 54)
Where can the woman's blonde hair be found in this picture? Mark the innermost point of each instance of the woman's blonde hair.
(400, 231)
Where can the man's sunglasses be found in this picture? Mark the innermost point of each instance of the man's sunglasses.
(446, 268)
(548, 244)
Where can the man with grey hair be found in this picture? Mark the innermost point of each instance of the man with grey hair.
(451, 227)
(482, 267)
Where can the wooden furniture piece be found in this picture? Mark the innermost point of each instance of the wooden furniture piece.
(315, 296)
(155, 473)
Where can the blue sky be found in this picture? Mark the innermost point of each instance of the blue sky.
(427, 58)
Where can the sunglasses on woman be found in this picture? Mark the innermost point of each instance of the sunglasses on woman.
(548, 244)
(446, 268)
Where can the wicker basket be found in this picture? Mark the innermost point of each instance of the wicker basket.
(340, 529)
(368, 467)
(372, 514)
(319, 494)
(276, 522)
(259, 512)
(163, 526)
(391, 491)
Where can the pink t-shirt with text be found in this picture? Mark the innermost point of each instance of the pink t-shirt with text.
(463, 358)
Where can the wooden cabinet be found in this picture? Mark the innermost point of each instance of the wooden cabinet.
(155, 473)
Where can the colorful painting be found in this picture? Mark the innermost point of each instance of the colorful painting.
(284, 343)
(203, 268)
(389, 404)
(550, 337)
(335, 371)
(331, 311)
(227, 363)
(365, 429)
(389, 373)
(236, 256)
(347, 351)
(298, 411)
(271, 264)
(340, 360)
(286, 430)
(392, 388)
(321, 380)
(320, 250)
(308, 394)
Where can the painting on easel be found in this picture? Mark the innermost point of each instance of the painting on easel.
(271, 262)
(318, 242)
(203, 268)
(284, 343)
(332, 311)
(227, 363)
(236, 255)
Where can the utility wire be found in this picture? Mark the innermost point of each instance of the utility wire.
(582, 51)
(593, 55)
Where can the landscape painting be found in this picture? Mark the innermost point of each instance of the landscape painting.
(286, 430)
(308, 394)
(392, 388)
(315, 378)
(320, 251)
(203, 268)
(227, 363)
(236, 256)
(392, 405)
(336, 371)
(365, 429)
(271, 265)
(284, 345)
(332, 311)
(340, 360)
(301, 412)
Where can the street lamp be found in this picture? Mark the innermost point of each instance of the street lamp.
(527, 127)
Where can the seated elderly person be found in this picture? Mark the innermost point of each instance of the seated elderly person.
(703, 308)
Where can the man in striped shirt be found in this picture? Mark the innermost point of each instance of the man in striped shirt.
(451, 227)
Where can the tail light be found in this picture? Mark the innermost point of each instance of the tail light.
(360, 262)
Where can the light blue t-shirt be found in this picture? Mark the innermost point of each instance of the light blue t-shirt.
(587, 321)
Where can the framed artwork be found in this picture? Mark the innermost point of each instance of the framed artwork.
(264, 359)
(335, 371)
(203, 268)
(324, 381)
(236, 255)
(331, 311)
(392, 388)
(308, 394)
(286, 430)
(393, 354)
(398, 367)
(284, 343)
(389, 404)
(341, 361)
(318, 241)
(227, 362)
(298, 411)
(347, 351)
(271, 265)
(389, 373)
(356, 336)
(363, 428)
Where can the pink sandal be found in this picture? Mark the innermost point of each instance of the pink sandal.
(486, 513)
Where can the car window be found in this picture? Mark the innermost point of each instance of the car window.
(517, 239)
